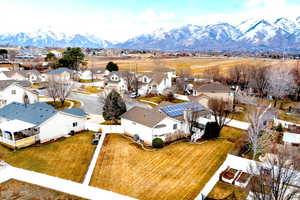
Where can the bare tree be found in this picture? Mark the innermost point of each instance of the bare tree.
(59, 88)
(235, 74)
(130, 81)
(296, 72)
(52, 88)
(276, 178)
(220, 110)
(260, 79)
(190, 117)
(257, 136)
(64, 89)
(280, 81)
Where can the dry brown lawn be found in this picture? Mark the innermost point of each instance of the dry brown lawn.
(13, 189)
(68, 158)
(224, 191)
(177, 171)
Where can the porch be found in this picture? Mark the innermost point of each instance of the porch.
(17, 134)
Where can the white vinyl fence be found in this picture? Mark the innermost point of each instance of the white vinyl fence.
(284, 124)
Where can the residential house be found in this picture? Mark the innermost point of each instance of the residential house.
(154, 82)
(22, 125)
(148, 124)
(117, 80)
(63, 73)
(214, 90)
(171, 73)
(14, 91)
(292, 135)
(12, 75)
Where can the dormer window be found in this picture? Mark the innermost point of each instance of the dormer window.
(13, 92)
(145, 79)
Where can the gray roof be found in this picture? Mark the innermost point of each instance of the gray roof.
(97, 70)
(36, 113)
(5, 83)
(213, 88)
(61, 70)
(32, 113)
(144, 116)
(76, 112)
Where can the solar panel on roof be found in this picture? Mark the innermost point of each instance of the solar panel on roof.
(178, 109)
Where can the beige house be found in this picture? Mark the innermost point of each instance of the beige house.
(213, 90)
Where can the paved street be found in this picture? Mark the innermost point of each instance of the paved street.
(93, 105)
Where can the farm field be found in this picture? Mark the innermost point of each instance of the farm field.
(67, 158)
(196, 65)
(177, 171)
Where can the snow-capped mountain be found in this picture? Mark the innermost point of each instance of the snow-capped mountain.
(249, 34)
(48, 38)
(266, 34)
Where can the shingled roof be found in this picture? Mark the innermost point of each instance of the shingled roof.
(36, 113)
(146, 117)
(213, 88)
(5, 83)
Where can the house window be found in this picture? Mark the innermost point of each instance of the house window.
(75, 124)
(133, 123)
(174, 126)
(13, 92)
(145, 79)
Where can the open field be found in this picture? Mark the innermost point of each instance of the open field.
(13, 189)
(67, 158)
(177, 171)
(196, 65)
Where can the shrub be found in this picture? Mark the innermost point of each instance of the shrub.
(279, 128)
(157, 143)
(211, 131)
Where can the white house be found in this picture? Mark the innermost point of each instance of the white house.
(62, 72)
(148, 124)
(12, 75)
(14, 91)
(117, 80)
(154, 82)
(23, 125)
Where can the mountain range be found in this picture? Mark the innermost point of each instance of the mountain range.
(251, 34)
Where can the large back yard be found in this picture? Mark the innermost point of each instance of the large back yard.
(177, 171)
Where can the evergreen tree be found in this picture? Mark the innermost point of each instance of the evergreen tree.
(72, 58)
(114, 106)
(211, 131)
(111, 66)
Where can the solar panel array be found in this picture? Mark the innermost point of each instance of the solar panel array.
(178, 109)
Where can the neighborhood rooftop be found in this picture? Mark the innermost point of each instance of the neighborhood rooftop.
(146, 117)
(213, 87)
(5, 83)
(178, 109)
(36, 113)
(61, 70)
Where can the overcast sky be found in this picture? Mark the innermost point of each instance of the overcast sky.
(119, 20)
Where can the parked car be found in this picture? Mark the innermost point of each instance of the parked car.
(134, 95)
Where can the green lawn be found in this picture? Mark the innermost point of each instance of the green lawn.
(68, 158)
